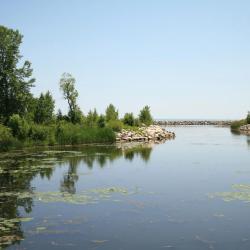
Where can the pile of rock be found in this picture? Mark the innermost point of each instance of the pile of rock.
(194, 123)
(151, 133)
(245, 128)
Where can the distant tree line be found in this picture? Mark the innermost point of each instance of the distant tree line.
(24, 117)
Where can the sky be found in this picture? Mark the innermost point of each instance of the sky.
(186, 59)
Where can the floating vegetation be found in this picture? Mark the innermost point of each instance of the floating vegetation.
(242, 193)
(90, 196)
(99, 241)
(7, 225)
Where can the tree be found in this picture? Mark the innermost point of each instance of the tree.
(91, 119)
(145, 116)
(111, 113)
(248, 118)
(129, 119)
(101, 121)
(15, 82)
(59, 115)
(67, 86)
(44, 108)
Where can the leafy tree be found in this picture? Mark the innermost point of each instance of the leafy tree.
(67, 86)
(129, 119)
(15, 81)
(44, 108)
(145, 116)
(248, 118)
(91, 119)
(111, 113)
(19, 126)
(59, 115)
(101, 121)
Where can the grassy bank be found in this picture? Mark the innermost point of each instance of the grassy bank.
(57, 134)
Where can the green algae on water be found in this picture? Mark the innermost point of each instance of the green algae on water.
(241, 192)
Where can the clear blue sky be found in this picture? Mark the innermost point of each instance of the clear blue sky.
(186, 59)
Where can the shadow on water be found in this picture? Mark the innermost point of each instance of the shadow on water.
(18, 169)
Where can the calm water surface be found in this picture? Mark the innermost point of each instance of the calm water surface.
(176, 195)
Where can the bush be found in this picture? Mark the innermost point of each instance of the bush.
(145, 116)
(129, 119)
(115, 125)
(19, 127)
(42, 134)
(6, 138)
(236, 124)
(70, 134)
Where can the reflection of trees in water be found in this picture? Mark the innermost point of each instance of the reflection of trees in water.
(246, 134)
(98, 156)
(14, 182)
(248, 141)
(142, 151)
(18, 170)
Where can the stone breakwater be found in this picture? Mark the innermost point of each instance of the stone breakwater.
(245, 128)
(193, 123)
(144, 134)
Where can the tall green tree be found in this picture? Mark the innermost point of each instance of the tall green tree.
(248, 117)
(111, 113)
(145, 116)
(44, 108)
(15, 80)
(67, 86)
(129, 119)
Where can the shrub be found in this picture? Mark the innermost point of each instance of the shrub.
(115, 125)
(129, 119)
(19, 127)
(6, 138)
(145, 116)
(236, 124)
(111, 113)
(41, 134)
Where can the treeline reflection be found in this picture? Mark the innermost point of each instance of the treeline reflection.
(18, 169)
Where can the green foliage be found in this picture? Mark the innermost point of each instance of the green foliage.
(41, 134)
(75, 116)
(137, 122)
(145, 116)
(19, 127)
(101, 121)
(6, 138)
(67, 86)
(129, 119)
(73, 134)
(59, 115)
(111, 113)
(115, 125)
(15, 82)
(248, 118)
(92, 119)
(44, 108)
(237, 124)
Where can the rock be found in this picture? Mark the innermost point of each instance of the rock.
(245, 128)
(151, 133)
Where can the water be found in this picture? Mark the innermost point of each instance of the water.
(176, 195)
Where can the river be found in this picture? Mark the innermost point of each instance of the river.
(192, 192)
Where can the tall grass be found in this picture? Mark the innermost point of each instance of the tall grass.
(70, 134)
(237, 124)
